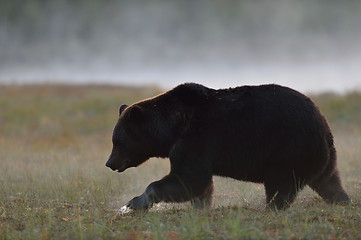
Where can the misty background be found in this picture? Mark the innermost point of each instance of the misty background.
(310, 45)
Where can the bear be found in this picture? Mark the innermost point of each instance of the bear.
(268, 134)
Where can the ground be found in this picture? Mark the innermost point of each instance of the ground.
(55, 140)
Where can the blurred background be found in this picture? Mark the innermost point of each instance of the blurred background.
(313, 46)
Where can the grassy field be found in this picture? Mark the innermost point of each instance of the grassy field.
(55, 140)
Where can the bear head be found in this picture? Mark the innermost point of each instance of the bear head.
(143, 130)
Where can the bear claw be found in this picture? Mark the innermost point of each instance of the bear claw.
(124, 210)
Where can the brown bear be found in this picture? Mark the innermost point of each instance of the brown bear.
(266, 134)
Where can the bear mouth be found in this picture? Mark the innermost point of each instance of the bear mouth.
(124, 165)
(122, 168)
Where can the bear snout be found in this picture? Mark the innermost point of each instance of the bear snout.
(109, 165)
(114, 164)
(114, 167)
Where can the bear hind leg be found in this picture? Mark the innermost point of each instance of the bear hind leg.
(330, 189)
(280, 195)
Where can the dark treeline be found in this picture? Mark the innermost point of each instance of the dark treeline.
(83, 18)
(157, 32)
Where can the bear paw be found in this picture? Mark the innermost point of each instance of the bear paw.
(139, 203)
(124, 210)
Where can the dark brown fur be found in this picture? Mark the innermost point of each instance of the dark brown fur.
(266, 134)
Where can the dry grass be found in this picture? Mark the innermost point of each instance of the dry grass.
(54, 141)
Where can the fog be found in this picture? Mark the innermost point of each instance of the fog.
(309, 45)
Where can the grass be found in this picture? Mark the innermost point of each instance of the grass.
(54, 141)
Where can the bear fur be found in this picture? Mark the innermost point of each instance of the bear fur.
(266, 134)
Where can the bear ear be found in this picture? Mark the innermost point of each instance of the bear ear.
(122, 108)
(136, 113)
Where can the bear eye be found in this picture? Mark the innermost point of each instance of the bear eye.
(115, 137)
(119, 135)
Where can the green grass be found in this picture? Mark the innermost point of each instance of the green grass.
(54, 141)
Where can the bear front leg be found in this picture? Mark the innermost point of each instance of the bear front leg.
(172, 188)
(205, 200)
(141, 202)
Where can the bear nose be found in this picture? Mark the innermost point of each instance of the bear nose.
(109, 165)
